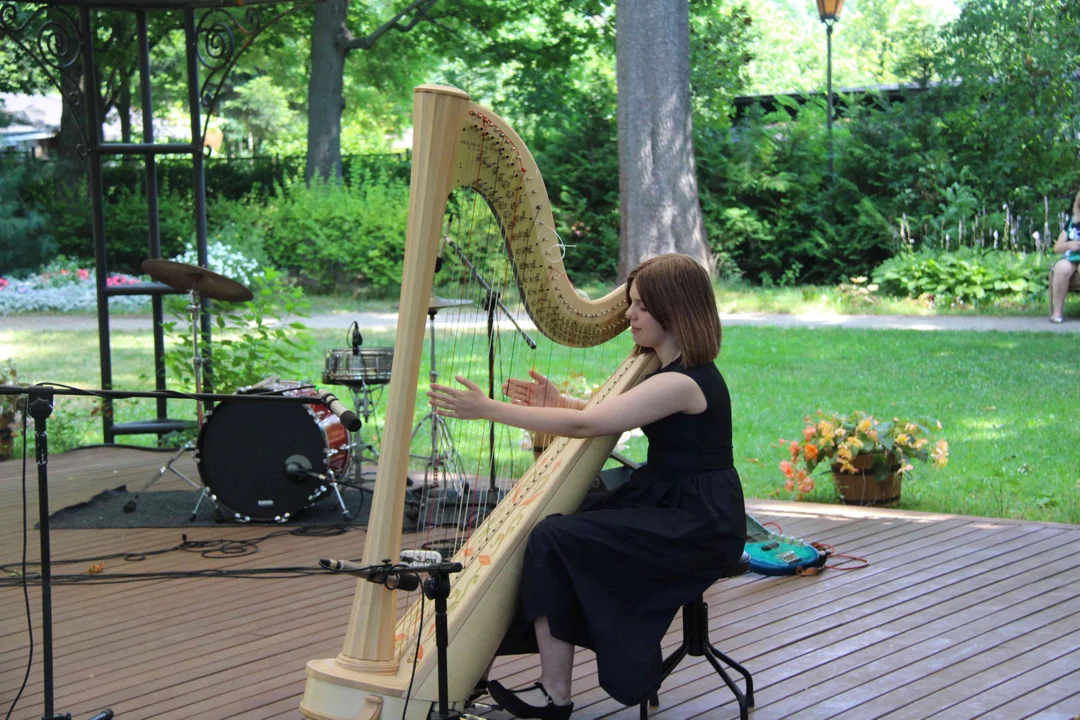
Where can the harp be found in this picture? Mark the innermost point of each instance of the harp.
(459, 144)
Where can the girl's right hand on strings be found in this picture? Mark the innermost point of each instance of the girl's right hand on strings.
(540, 392)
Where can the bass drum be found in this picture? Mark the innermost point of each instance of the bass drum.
(244, 445)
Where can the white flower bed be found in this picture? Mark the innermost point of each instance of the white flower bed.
(64, 287)
(27, 296)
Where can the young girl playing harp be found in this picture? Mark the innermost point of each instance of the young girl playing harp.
(611, 577)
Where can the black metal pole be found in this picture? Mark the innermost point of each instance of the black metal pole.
(437, 587)
(198, 181)
(40, 408)
(97, 203)
(492, 298)
(152, 214)
(828, 41)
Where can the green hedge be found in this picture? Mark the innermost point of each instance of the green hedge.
(969, 276)
(334, 235)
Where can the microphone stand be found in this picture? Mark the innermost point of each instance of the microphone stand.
(40, 407)
(437, 588)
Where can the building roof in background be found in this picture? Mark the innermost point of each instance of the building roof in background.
(28, 118)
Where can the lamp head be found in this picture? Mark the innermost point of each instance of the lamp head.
(829, 10)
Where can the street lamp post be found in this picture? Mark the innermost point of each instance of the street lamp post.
(829, 10)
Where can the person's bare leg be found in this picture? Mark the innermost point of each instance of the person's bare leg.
(556, 667)
(1059, 286)
(556, 662)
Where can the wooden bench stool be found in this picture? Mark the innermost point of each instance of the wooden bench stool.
(1050, 289)
(695, 620)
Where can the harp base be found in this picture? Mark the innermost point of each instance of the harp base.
(336, 692)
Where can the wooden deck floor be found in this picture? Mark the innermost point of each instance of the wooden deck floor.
(957, 617)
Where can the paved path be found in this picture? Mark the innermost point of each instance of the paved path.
(374, 320)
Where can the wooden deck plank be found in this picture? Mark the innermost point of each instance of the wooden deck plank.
(797, 673)
(870, 654)
(1029, 691)
(1066, 706)
(967, 673)
(236, 648)
(806, 678)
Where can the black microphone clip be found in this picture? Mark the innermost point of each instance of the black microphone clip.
(355, 338)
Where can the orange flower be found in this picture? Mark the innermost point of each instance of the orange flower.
(789, 486)
(785, 467)
(794, 448)
(810, 451)
(809, 431)
(806, 486)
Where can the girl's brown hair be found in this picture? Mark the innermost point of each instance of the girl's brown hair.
(677, 292)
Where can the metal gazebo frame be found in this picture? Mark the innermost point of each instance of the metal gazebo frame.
(53, 34)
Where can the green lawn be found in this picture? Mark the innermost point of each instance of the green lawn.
(738, 297)
(1007, 401)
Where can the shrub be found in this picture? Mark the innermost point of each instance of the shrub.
(262, 337)
(965, 276)
(223, 258)
(331, 234)
(11, 408)
(25, 242)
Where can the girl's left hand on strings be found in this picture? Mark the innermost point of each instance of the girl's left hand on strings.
(468, 404)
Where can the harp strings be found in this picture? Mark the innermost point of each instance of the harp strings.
(457, 491)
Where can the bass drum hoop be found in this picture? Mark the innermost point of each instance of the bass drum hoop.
(241, 453)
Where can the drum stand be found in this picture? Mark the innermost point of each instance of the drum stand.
(361, 450)
(194, 305)
(443, 457)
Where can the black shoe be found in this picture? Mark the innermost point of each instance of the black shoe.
(511, 703)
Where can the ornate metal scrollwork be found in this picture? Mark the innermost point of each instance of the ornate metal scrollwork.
(222, 37)
(50, 37)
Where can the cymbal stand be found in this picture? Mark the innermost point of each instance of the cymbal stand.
(443, 458)
(193, 308)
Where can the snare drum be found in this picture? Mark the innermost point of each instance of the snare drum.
(244, 445)
(358, 367)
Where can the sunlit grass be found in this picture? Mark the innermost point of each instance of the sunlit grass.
(1007, 401)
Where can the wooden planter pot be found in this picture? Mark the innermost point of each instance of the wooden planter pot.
(863, 488)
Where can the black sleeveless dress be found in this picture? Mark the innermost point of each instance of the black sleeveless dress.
(611, 577)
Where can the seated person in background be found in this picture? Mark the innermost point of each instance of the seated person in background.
(1064, 275)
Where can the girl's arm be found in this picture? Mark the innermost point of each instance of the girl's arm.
(655, 398)
(1063, 244)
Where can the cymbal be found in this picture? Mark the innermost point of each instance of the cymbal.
(206, 283)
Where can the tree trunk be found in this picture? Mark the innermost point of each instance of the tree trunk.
(70, 169)
(123, 106)
(658, 194)
(325, 98)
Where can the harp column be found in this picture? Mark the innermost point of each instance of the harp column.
(367, 661)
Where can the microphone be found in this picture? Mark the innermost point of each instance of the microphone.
(379, 574)
(298, 470)
(348, 417)
(356, 339)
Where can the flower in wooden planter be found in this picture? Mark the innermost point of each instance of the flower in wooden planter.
(859, 443)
